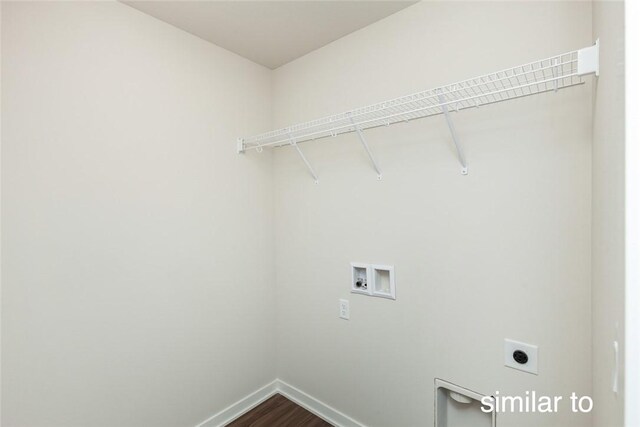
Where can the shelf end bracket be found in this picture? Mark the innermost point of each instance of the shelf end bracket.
(589, 60)
(366, 147)
(304, 159)
(454, 135)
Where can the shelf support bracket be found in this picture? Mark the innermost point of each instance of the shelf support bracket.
(366, 147)
(589, 60)
(454, 135)
(304, 159)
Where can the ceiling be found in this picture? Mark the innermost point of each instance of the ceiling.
(270, 33)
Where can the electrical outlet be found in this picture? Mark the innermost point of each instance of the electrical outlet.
(521, 356)
(344, 309)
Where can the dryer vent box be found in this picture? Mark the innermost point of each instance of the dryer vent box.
(457, 406)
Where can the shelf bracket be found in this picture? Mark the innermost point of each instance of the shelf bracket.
(366, 147)
(304, 159)
(589, 60)
(454, 135)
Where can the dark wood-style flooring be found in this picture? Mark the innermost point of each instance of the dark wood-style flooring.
(278, 411)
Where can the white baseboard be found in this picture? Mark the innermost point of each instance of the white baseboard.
(242, 406)
(311, 404)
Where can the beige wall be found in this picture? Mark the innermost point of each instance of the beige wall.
(137, 265)
(608, 212)
(501, 253)
(136, 290)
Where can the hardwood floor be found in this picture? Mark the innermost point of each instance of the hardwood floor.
(278, 411)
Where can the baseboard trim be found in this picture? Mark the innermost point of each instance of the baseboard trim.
(311, 404)
(315, 406)
(242, 406)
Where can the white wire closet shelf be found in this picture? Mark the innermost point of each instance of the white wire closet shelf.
(545, 75)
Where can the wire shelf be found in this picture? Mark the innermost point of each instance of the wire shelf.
(550, 74)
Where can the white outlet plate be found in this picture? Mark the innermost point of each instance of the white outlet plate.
(344, 311)
(532, 352)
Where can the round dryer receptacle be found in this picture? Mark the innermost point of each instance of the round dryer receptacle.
(520, 357)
